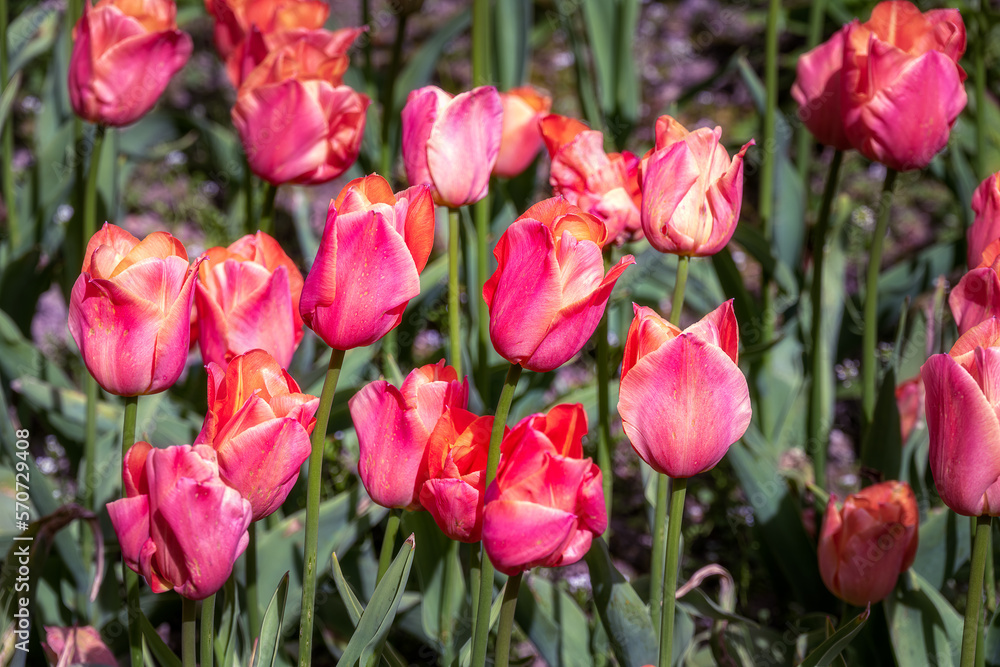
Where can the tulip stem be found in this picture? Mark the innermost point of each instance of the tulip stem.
(481, 210)
(454, 323)
(208, 630)
(90, 473)
(312, 506)
(267, 209)
(482, 614)
(981, 21)
(131, 578)
(388, 544)
(817, 12)
(189, 630)
(603, 417)
(251, 225)
(253, 600)
(974, 602)
(818, 420)
(770, 155)
(9, 198)
(388, 94)
(90, 194)
(679, 488)
(869, 363)
(506, 623)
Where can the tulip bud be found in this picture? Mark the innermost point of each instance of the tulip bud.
(985, 227)
(523, 108)
(910, 403)
(976, 297)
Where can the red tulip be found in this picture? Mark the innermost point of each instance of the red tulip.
(374, 246)
(691, 190)
(130, 310)
(259, 423)
(124, 55)
(78, 644)
(394, 427)
(234, 19)
(451, 143)
(963, 395)
(910, 403)
(977, 295)
(523, 108)
(297, 122)
(902, 86)
(985, 227)
(546, 504)
(817, 91)
(248, 298)
(683, 399)
(867, 544)
(179, 525)
(602, 184)
(549, 290)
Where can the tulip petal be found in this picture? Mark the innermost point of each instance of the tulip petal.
(130, 518)
(975, 298)
(719, 328)
(418, 118)
(457, 507)
(463, 146)
(668, 177)
(517, 535)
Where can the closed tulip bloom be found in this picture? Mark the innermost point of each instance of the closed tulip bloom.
(902, 86)
(602, 184)
(910, 403)
(976, 297)
(549, 290)
(247, 296)
(297, 122)
(235, 19)
(817, 91)
(124, 55)
(366, 270)
(452, 143)
(683, 399)
(130, 310)
(75, 645)
(691, 190)
(523, 108)
(394, 427)
(962, 397)
(546, 504)
(865, 545)
(259, 423)
(179, 525)
(985, 227)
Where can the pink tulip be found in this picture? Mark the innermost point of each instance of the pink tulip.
(683, 399)
(691, 190)
(247, 297)
(451, 143)
(902, 87)
(602, 184)
(546, 504)
(394, 427)
(374, 246)
(817, 91)
(259, 423)
(130, 310)
(963, 395)
(977, 295)
(523, 108)
(297, 122)
(910, 403)
(549, 290)
(78, 644)
(235, 19)
(985, 227)
(179, 525)
(124, 54)
(867, 544)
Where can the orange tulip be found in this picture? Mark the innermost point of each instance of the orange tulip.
(523, 108)
(234, 19)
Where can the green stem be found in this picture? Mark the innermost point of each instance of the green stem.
(770, 153)
(481, 211)
(979, 68)
(251, 222)
(604, 417)
(131, 578)
(817, 12)
(253, 599)
(388, 543)
(366, 20)
(208, 630)
(89, 477)
(90, 194)
(267, 210)
(475, 574)
(13, 228)
(480, 42)
(312, 507)
(189, 630)
(677, 303)
(817, 419)
(869, 363)
(454, 322)
(506, 623)
(482, 617)
(388, 96)
(670, 575)
(974, 601)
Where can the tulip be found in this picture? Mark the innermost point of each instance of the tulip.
(549, 290)
(247, 297)
(691, 190)
(394, 427)
(977, 295)
(297, 122)
(78, 644)
(523, 108)
(963, 391)
(902, 87)
(910, 403)
(374, 246)
(258, 423)
(985, 227)
(179, 525)
(817, 91)
(235, 19)
(683, 399)
(130, 310)
(451, 143)
(867, 544)
(124, 55)
(546, 504)
(602, 184)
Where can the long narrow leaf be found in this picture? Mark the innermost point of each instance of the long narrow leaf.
(266, 652)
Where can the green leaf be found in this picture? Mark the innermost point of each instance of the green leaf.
(829, 650)
(421, 65)
(7, 98)
(31, 34)
(266, 652)
(512, 20)
(465, 655)
(351, 601)
(439, 573)
(926, 631)
(882, 446)
(164, 656)
(554, 622)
